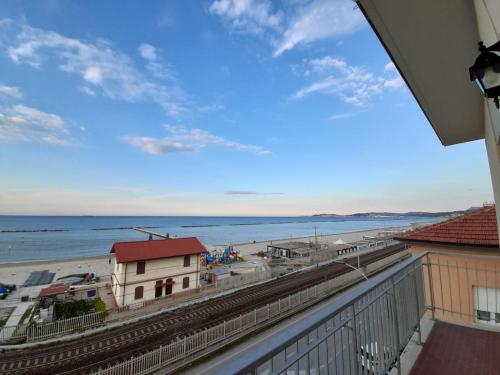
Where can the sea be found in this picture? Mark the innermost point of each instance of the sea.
(25, 238)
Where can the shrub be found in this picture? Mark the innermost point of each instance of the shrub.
(99, 306)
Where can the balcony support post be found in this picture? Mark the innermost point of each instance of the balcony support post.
(396, 325)
(417, 303)
(355, 340)
(431, 287)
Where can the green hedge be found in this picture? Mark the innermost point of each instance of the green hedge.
(65, 310)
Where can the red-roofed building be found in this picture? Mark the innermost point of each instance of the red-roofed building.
(146, 270)
(54, 290)
(473, 239)
(477, 229)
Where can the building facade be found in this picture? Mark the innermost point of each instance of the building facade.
(145, 270)
(466, 287)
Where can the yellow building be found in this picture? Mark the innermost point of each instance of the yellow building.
(464, 287)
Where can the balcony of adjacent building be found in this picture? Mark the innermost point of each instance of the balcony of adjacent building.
(435, 313)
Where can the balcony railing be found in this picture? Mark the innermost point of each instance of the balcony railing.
(362, 332)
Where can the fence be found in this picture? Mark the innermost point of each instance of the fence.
(11, 334)
(184, 349)
(221, 285)
(237, 281)
(463, 288)
(25, 332)
(64, 326)
(32, 332)
(362, 332)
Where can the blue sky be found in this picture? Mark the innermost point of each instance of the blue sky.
(220, 107)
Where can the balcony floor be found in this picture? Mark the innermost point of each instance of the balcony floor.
(453, 349)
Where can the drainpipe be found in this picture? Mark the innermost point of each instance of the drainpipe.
(197, 271)
(124, 285)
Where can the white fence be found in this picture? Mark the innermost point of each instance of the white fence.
(224, 284)
(212, 338)
(32, 332)
(13, 333)
(237, 281)
(64, 326)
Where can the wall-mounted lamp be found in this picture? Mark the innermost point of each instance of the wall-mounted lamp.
(486, 71)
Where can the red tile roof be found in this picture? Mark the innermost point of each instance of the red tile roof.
(478, 228)
(156, 249)
(54, 290)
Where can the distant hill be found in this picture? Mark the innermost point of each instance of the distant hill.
(400, 214)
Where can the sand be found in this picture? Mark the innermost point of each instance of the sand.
(17, 273)
(252, 248)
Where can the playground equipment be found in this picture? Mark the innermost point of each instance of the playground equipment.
(216, 257)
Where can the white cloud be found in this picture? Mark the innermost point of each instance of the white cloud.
(297, 23)
(250, 16)
(342, 116)
(93, 74)
(390, 67)
(87, 90)
(14, 92)
(394, 83)
(319, 20)
(147, 51)
(23, 123)
(352, 84)
(211, 108)
(107, 70)
(182, 139)
(156, 146)
(249, 192)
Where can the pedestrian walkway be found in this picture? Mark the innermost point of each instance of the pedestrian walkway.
(14, 319)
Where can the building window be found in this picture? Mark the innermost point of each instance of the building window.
(483, 315)
(141, 268)
(139, 291)
(187, 261)
(497, 318)
(185, 283)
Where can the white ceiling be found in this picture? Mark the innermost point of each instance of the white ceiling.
(433, 43)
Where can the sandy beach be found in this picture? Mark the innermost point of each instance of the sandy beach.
(252, 248)
(17, 273)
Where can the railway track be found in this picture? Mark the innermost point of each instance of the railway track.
(86, 354)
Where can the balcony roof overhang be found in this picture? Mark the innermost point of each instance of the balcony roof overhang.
(433, 43)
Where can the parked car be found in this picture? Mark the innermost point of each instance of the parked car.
(9, 287)
(3, 292)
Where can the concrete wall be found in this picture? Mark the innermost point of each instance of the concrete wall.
(454, 277)
(125, 278)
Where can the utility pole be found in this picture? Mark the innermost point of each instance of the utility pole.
(316, 236)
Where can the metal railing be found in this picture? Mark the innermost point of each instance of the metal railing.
(463, 288)
(33, 332)
(185, 349)
(64, 326)
(362, 332)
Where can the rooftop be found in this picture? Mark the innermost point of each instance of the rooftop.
(156, 249)
(477, 228)
(290, 245)
(54, 289)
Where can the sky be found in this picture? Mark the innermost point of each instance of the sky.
(220, 107)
